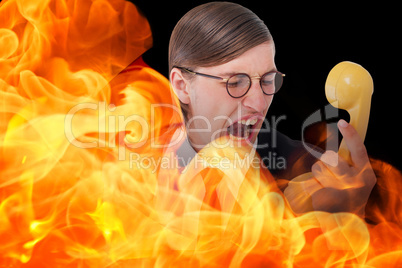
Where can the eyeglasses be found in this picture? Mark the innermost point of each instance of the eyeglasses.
(238, 85)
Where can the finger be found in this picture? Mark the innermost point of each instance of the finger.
(336, 164)
(355, 144)
(334, 177)
(323, 175)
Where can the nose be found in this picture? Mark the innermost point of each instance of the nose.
(256, 99)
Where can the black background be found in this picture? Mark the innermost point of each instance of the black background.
(310, 39)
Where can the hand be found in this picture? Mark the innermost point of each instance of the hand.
(344, 186)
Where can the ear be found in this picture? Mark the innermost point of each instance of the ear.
(180, 85)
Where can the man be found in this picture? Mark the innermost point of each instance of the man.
(222, 68)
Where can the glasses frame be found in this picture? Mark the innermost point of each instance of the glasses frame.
(227, 79)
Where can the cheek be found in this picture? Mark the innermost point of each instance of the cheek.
(212, 106)
(201, 105)
(208, 98)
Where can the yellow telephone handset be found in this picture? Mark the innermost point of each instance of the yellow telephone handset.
(349, 86)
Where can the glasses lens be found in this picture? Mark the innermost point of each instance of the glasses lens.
(271, 83)
(238, 85)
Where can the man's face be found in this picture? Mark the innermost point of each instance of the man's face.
(214, 113)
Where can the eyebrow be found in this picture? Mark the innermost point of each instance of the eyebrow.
(228, 74)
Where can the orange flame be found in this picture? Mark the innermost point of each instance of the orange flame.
(87, 181)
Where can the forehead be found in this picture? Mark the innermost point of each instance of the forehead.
(255, 61)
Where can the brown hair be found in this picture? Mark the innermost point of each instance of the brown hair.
(213, 34)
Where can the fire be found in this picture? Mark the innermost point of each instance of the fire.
(87, 181)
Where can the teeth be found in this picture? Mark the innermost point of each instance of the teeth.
(249, 122)
(252, 121)
(244, 132)
(235, 138)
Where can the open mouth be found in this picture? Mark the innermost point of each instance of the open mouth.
(242, 129)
